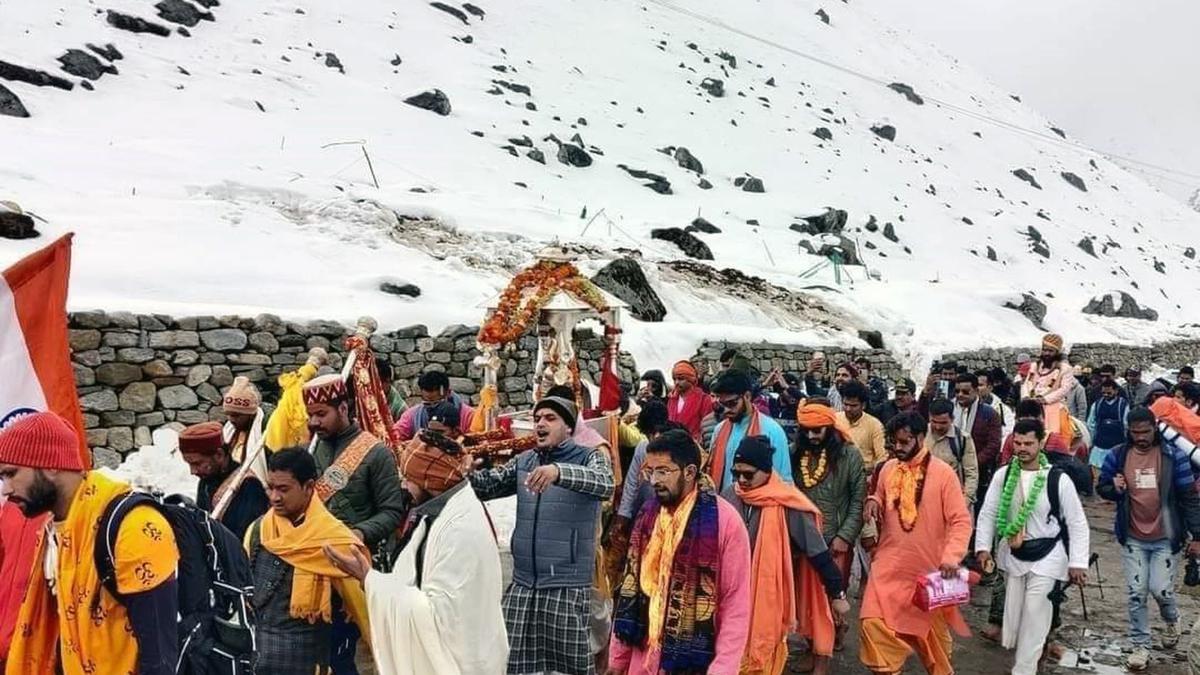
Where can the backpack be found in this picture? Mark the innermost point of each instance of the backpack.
(1052, 481)
(958, 448)
(216, 626)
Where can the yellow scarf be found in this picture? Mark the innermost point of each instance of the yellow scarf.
(903, 483)
(315, 577)
(288, 425)
(92, 641)
(658, 559)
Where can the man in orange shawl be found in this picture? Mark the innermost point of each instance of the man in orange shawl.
(687, 404)
(298, 591)
(924, 526)
(794, 580)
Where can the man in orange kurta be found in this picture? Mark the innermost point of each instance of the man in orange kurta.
(924, 526)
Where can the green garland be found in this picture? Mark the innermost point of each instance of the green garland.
(1004, 528)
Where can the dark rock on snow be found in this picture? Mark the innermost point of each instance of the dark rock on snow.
(991, 254)
(872, 337)
(39, 78)
(1027, 177)
(1058, 131)
(624, 278)
(908, 92)
(830, 222)
(1128, 309)
(473, 9)
(686, 241)
(1074, 180)
(182, 12)
(704, 184)
(408, 290)
(749, 183)
(537, 156)
(15, 225)
(332, 61)
(872, 225)
(433, 101)
(823, 133)
(1032, 308)
(688, 161)
(702, 225)
(573, 155)
(108, 51)
(1087, 246)
(886, 132)
(822, 15)
(658, 183)
(452, 11)
(889, 233)
(10, 105)
(1190, 253)
(714, 87)
(136, 24)
(843, 250)
(82, 64)
(514, 87)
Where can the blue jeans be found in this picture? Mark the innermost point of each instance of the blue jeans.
(1149, 571)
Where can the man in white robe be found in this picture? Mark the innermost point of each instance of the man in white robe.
(1032, 554)
(438, 611)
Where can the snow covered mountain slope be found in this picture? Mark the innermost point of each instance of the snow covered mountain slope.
(225, 172)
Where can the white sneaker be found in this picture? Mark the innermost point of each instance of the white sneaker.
(1138, 660)
(1170, 636)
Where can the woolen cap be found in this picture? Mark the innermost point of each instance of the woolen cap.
(242, 397)
(42, 440)
(201, 439)
(755, 451)
(564, 408)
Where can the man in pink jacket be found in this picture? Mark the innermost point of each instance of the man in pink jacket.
(1048, 382)
(689, 551)
(435, 388)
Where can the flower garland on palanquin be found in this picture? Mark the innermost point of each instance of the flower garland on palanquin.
(528, 293)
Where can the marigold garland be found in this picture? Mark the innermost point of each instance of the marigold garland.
(528, 293)
(812, 479)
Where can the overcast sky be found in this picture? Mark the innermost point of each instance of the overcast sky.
(1119, 75)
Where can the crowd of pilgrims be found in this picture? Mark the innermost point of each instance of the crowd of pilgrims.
(718, 532)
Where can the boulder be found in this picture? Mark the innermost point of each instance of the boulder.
(889, 233)
(573, 155)
(830, 222)
(83, 340)
(702, 225)
(749, 183)
(198, 375)
(108, 51)
(174, 339)
(138, 397)
(1027, 177)
(452, 11)
(1032, 308)
(82, 64)
(908, 92)
(476, 11)
(872, 337)
(264, 342)
(177, 397)
(182, 12)
(332, 61)
(823, 133)
(686, 241)
(135, 24)
(104, 400)
(1075, 181)
(1087, 247)
(14, 225)
(406, 290)
(624, 278)
(885, 131)
(11, 106)
(117, 374)
(714, 87)
(38, 78)
(1119, 304)
(688, 161)
(823, 15)
(839, 247)
(434, 100)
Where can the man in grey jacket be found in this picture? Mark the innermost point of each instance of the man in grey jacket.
(560, 486)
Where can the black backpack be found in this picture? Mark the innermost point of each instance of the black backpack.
(216, 627)
(958, 448)
(1052, 481)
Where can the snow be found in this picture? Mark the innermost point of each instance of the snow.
(187, 199)
(158, 467)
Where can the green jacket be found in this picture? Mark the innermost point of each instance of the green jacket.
(840, 496)
(372, 501)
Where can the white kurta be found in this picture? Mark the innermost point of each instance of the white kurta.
(452, 624)
(253, 440)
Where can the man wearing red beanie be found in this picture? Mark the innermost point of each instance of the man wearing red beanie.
(69, 621)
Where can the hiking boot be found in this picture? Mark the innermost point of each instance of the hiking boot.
(1138, 659)
(1170, 636)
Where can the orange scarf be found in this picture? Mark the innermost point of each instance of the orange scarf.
(903, 483)
(779, 603)
(655, 572)
(315, 577)
(716, 463)
(88, 639)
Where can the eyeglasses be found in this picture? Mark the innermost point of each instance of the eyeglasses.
(744, 475)
(658, 473)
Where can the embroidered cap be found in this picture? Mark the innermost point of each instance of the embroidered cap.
(201, 439)
(42, 440)
(326, 389)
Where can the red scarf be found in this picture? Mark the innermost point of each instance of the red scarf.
(716, 463)
(696, 404)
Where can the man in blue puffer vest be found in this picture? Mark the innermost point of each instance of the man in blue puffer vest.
(559, 486)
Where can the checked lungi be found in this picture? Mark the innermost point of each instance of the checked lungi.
(548, 630)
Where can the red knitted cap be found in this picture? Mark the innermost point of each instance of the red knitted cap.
(41, 441)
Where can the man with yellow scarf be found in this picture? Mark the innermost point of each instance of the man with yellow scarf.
(68, 621)
(684, 601)
(924, 526)
(296, 587)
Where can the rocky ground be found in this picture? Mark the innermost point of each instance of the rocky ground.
(1096, 644)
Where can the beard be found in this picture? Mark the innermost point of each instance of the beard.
(808, 446)
(42, 495)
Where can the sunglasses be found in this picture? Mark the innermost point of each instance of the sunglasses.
(744, 475)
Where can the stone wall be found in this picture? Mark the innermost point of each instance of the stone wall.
(136, 373)
(795, 358)
(1172, 354)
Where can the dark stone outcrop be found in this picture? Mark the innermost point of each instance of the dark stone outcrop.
(452, 11)
(433, 101)
(182, 12)
(823, 133)
(688, 161)
(686, 241)
(823, 15)
(889, 233)
(136, 24)
(15, 225)
(657, 182)
(38, 78)
(1128, 309)
(749, 183)
(715, 87)
(624, 278)
(1075, 181)
(908, 92)
(1032, 308)
(408, 290)
(830, 222)
(702, 225)
(10, 105)
(1087, 246)
(82, 64)
(573, 155)
(886, 131)
(108, 51)
(1027, 177)
(474, 10)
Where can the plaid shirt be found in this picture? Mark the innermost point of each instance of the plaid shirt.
(594, 478)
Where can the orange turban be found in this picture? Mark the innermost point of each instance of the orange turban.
(684, 370)
(815, 416)
(1053, 341)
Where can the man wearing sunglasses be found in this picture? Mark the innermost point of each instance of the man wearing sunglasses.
(689, 554)
(798, 581)
(742, 419)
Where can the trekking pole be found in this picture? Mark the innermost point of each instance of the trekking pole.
(238, 479)
(1095, 560)
(1083, 600)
